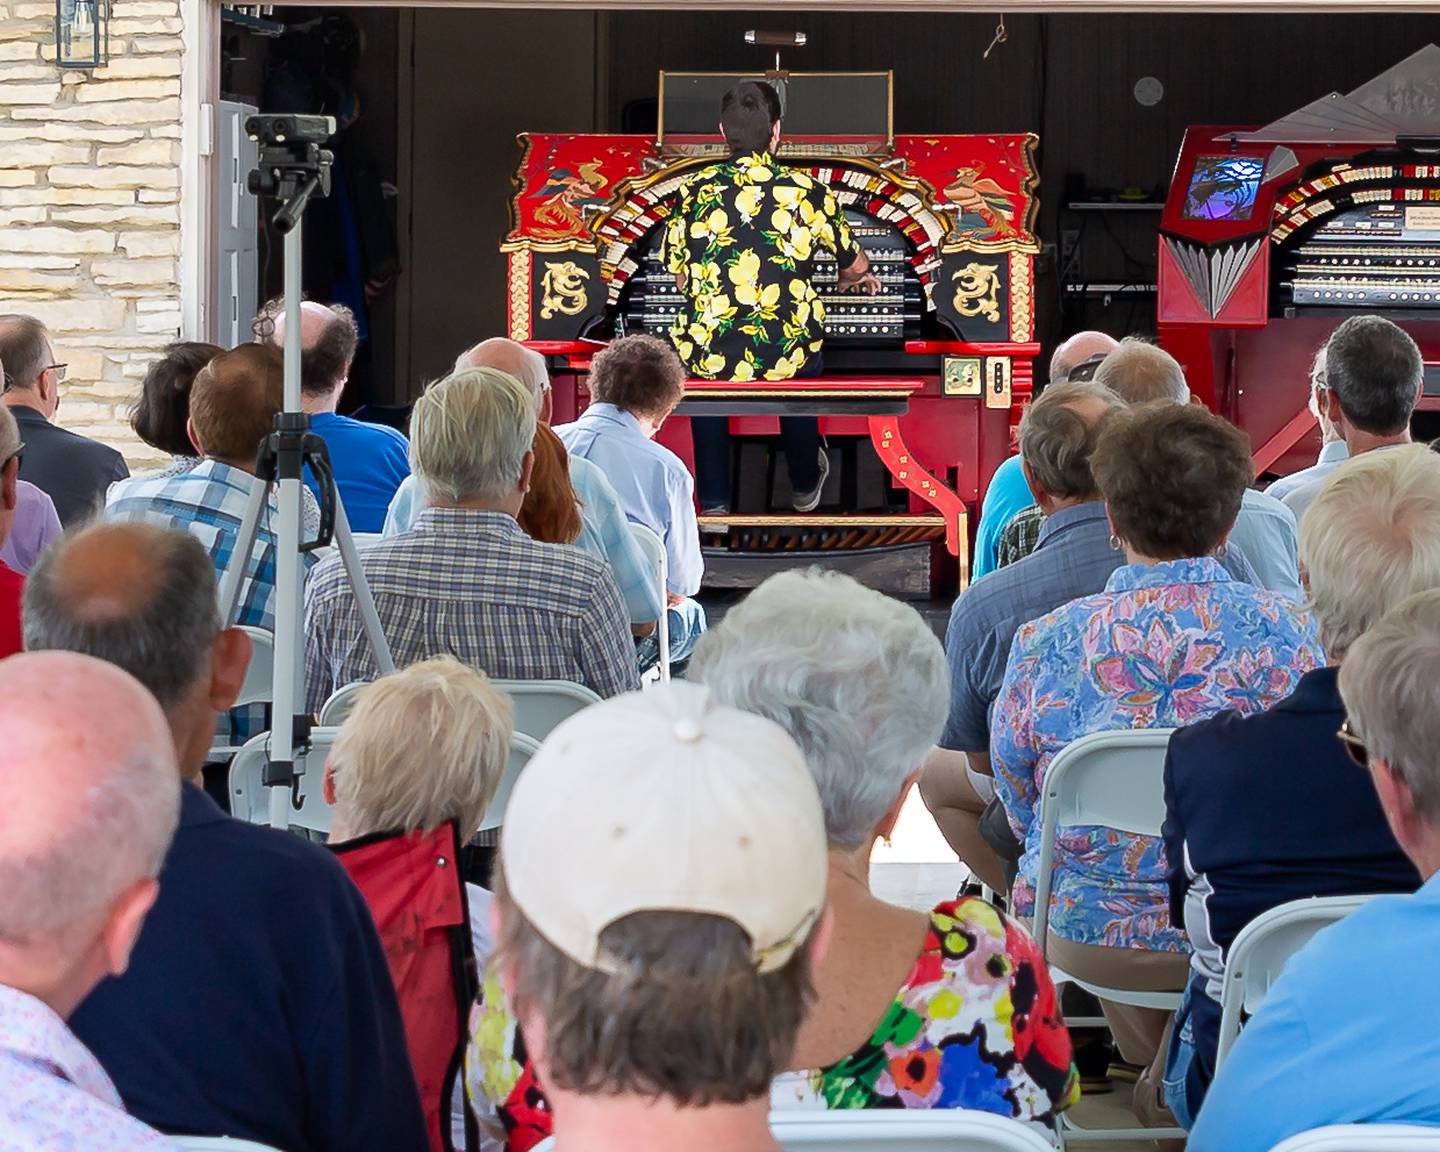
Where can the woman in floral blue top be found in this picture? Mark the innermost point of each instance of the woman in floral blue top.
(1172, 639)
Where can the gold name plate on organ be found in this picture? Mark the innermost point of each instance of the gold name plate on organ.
(1423, 216)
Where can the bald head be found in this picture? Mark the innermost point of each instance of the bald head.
(90, 794)
(328, 339)
(1076, 350)
(523, 363)
(135, 595)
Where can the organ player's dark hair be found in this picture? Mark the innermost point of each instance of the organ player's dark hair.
(1375, 370)
(748, 114)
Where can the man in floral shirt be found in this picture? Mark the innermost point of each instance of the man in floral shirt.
(742, 244)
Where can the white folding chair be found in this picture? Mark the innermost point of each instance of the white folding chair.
(542, 704)
(1259, 954)
(927, 1130)
(1106, 780)
(522, 747)
(1364, 1138)
(654, 549)
(259, 685)
(217, 1144)
(250, 798)
(340, 704)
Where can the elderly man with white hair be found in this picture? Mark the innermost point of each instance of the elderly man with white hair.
(466, 579)
(1347, 1034)
(1333, 449)
(89, 812)
(604, 532)
(370, 460)
(1268, 808)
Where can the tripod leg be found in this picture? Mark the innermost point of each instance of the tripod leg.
(364, 598)
(240, 557)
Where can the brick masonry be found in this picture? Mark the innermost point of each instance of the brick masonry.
(90, 203)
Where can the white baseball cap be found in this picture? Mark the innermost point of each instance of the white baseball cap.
(666, 801)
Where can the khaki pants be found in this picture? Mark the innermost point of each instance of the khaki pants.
(1139, 1032)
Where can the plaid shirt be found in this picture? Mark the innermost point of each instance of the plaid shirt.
(1021, 535)
(471, 583)
(209, 503)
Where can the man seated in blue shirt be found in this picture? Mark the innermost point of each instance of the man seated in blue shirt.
(370, 460)
(635, 383)
(1347, 1035)
(1333, 449)
(1007, 494)
(258, 1003)
(604, 532)
(1374, 540)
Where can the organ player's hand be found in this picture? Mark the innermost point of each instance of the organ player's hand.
(868, 283)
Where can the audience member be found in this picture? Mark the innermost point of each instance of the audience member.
(257, 1004)
(1171, 640)
(1333, 451)
(550, 512)
(1373, 379)
(424, 747)
(232, 408)
(859, 681)
(1139, 372)
(1007, 494)
(12, 583)
(1374, 541)
(161, 414)
(604, 530)
(89, 810)
(659, 966)
(1073, 558)
(466, 580)
(36, 524)
(1347, 1034)
(370, 460)
(635, 383)
(72, 470)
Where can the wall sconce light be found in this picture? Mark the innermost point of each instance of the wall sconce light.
(82, 33)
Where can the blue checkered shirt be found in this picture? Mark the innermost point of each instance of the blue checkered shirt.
(471, 583)
(209, 503)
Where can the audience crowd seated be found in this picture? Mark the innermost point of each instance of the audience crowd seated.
(604, 530)
(656, 1003)
(1372, 541)
(1347, 1034)
(370, 460)
(424, 748)
(1265, 535)
(69, 468)
(1373, 378)
(257, 1003)
(12, 583)
(1007, 494)
(89, 811)
(1172, 639)
(635, 383)
(465, 579)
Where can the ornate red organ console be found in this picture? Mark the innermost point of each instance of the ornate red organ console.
(930, 372)
(1272, 236)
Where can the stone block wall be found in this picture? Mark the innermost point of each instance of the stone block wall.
(90, 203)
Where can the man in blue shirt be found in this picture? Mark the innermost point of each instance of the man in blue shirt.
(370, 460)
(1347, 1035)
(1007, 494)
(258, 1003)
(635, 383)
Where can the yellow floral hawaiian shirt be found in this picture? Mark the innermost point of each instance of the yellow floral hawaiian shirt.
(745, 234)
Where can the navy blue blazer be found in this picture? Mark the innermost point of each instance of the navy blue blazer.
(258, 1003)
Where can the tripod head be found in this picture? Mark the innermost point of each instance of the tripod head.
(292, 166)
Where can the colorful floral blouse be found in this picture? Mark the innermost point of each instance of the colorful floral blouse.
(745, 234)
(975, 1025)
(1163, 646)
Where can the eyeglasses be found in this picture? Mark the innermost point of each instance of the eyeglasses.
(58, 369)
(1354, 746)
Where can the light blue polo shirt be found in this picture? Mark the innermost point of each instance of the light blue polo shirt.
(1350, 1034)
(1006, 495)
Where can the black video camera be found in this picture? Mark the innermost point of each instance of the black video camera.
(288, 129)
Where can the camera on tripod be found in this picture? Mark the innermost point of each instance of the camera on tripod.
(289, 129)
(292, 166)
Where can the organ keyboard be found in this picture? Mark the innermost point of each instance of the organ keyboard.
(1366, 257)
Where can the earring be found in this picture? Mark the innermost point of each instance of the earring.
(1116, 545)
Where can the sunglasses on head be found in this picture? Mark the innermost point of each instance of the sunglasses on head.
(1354, 746)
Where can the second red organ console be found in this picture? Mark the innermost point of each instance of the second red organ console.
(1272, 236)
